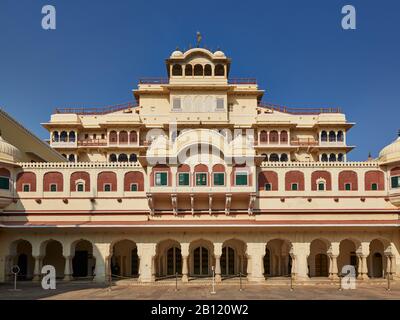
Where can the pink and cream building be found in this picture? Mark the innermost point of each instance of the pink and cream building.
(197, 173)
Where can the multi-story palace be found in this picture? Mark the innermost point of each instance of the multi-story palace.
(197, 173)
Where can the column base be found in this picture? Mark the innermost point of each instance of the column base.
(334, 276)
(147, 280)
(218, 278)
(68, 277)
(362, 277)
(36, 278)
(100, 279)
(185, 278)
(255, 279)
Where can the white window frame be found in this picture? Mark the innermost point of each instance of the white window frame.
(107, 184)
(183, 185)
(24, 185)
(268, 183)
(242, 172)
(292, 184)
(53, 184)
(351, 186)
(224, 179)
(195, 179)
(321, 181)
(134, 184)
(155, 178)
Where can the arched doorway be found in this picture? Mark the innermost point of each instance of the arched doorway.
(377, 270)
(267, 262)
(347, 255)
(54, 256)
(124, 259)
(83, 262)
(376, 262)
(174, 261)
(321, 265)
(318, 260)
(280, 259)
(228, 261)
(233, 259)
(169, 259)
(201, 259)
(21, 253)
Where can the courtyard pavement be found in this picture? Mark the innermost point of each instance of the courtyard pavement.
(200, 291)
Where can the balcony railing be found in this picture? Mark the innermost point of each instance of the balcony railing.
(242, 81)
(96, 111)
(166, 80)
(304, 142)
(285, 109)
(92, 143)
(153, 81)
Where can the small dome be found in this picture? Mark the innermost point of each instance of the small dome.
(390, 153)
(177, 53)
(9, 153)
(219, 54)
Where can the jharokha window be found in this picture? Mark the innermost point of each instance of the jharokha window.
(395, 182)
(183, 178)
(241, 178)
(201, 179)
(219, 178)
(161, 179)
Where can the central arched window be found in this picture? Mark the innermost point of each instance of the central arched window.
(332, 136)
(332, 157)
(188, 70)
(274, 157)
(64, 136)
(273, 137)
(284, 157)
(324, 157)
(198, 70)
(122, 158)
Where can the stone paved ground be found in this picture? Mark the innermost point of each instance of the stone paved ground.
(83, 291)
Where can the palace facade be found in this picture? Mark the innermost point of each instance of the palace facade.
(197, 174)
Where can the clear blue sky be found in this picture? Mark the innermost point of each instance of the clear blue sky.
(296, 49)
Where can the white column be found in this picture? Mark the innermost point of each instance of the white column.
(37, 268)
(101, 251)
(185, 261)
(333, 253)
(217, 255)
(146, 253)
(362, 254)
(68, 268)
(255, 262)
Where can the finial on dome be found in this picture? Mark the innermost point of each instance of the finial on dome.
(369, 156)
(198, 39)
